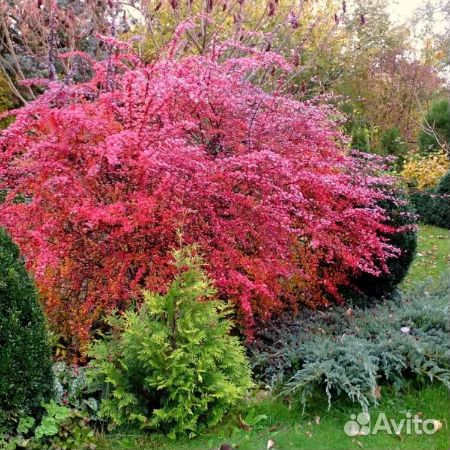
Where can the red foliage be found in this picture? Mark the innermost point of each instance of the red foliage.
(101, 184)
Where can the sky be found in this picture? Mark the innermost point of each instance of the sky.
(404, 9)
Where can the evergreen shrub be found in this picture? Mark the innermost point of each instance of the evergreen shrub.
(172, 365)
(25, 362)
(353, 352)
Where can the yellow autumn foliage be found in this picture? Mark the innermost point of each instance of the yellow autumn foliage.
(6, 101)
(314, 27)
(424, 171)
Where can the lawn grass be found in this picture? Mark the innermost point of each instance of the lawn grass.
(433, 255)
(319, 427)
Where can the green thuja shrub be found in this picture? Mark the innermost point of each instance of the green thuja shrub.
(25, 364)
(352, 353)
(172, 365)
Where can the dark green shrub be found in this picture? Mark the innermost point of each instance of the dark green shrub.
(438, 118)
(433, 205)
(6, 102)
(421, 201)
(172, 365)
(25, 365)
(439, 214)
(368, 288)
(443, 186)
(353, 352)
(392, 143)
(360, 138)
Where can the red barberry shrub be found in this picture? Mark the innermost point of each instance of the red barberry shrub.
(100, 185)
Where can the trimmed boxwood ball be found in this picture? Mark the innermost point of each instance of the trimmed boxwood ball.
(25, 360)
(444, 184)
(439, 213)
(433, 206)
(421, 201)
(368, 287)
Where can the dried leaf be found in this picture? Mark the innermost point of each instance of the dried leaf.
(437, 425)
(242, 424)
(377, 392)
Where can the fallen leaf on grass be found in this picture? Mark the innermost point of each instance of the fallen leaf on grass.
(437, 425)
(242, 424)
(377, 392)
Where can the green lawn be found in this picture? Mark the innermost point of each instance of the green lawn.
(433, 254)
(318, 427)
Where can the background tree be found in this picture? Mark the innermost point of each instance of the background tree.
(310, 34)
(435, 132)
(396, 89)
(338, 47)
(34, 33)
